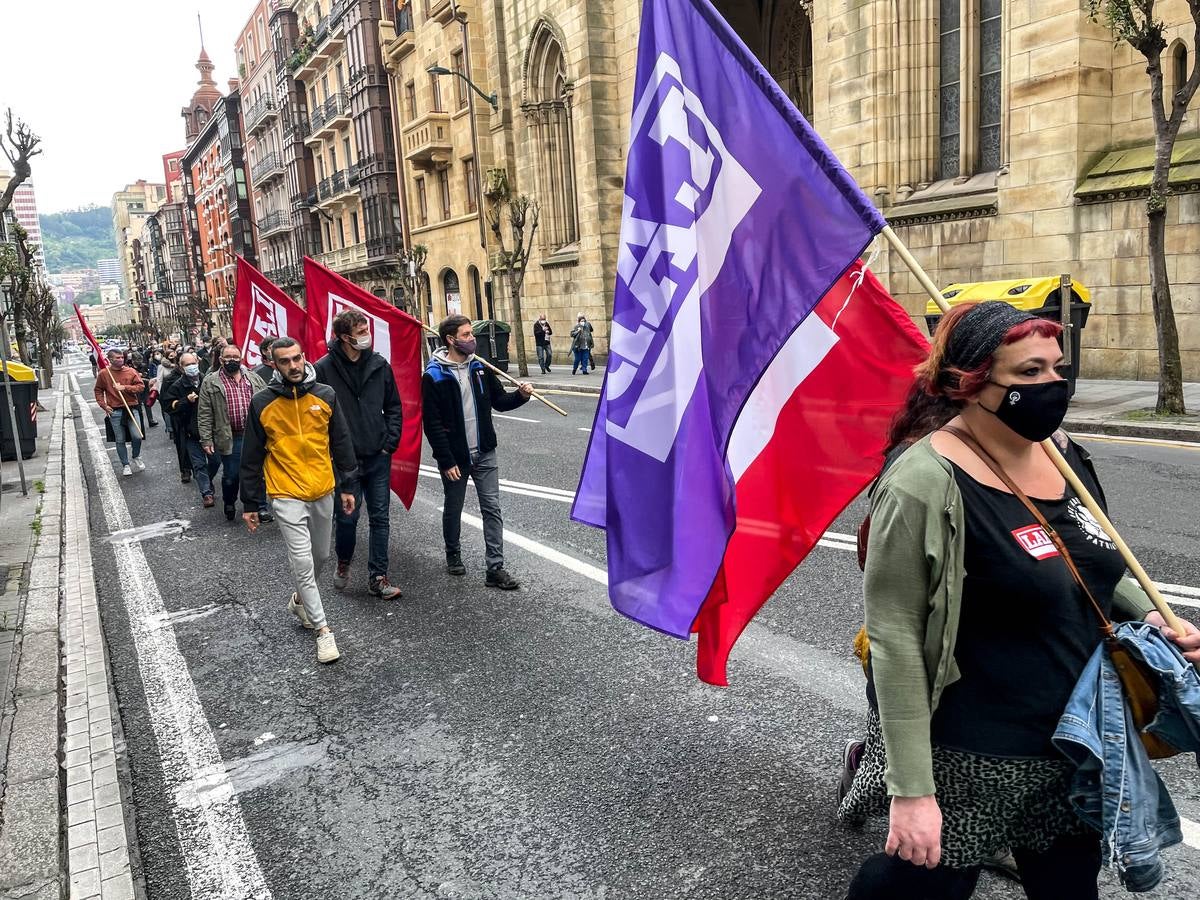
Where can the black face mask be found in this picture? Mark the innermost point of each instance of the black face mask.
(231, 365)
(1034, 411)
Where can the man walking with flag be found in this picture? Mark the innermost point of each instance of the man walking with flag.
(459, 394)
(115, 390)
(298, 451)
(367, 395)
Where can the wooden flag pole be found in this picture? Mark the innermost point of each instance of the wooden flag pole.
(503, 374)
(1052, 451)
(125, 403)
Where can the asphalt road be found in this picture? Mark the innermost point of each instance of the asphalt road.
(478, 744)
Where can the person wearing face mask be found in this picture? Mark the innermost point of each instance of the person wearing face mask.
(225, 396)
(117, 390)
(265, 369)
(180, 401)
(541, 337)
(169, 372)
(581, 344)
(366, 392)
(978, 631)
(458, 395)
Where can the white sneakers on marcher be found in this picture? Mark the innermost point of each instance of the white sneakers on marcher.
(138, 464)
(296, 608)
(327, 650)
(126, 471)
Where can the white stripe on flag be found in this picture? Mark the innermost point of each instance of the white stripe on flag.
(808, 345)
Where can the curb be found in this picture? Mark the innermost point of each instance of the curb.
(1182, 433)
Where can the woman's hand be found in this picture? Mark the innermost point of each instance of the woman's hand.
(1188, 642)
(915, 831)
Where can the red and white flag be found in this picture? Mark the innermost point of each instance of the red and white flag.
(261, 310)
(101, 359)
(807, 442)
(395, 335)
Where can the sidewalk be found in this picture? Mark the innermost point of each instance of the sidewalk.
(1099, 407)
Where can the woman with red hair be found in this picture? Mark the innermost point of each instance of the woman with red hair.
(978, 631)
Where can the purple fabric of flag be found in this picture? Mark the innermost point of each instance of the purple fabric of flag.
(737, 219)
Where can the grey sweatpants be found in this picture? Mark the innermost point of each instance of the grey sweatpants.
(486, 475)
(306, 529)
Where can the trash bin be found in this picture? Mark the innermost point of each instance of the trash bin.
(22, 381)
(1039, 296)
(492, 336)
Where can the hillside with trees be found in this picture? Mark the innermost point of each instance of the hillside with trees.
(77, 238)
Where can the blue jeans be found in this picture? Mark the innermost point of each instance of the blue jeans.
(204, 467)
(123, 432)
(374, 483)
(231, 466)
(581, 359)
(544, 358)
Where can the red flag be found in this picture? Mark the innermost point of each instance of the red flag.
(261, 310)
(396, 336)
(811, 438)
(101, 359)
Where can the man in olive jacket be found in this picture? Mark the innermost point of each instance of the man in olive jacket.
(221, 415)
(367, 394)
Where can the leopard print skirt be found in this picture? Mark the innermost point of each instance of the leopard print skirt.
(988, 803)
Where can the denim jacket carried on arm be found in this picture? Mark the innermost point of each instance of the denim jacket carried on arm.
(1114, 788)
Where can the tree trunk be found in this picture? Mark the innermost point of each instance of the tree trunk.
(518, 327)
(1170, 368)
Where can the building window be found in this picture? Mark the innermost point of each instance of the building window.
(341, 233)
(354, 227)
(410, 96)
(472, 185)
(435, 92)
(444, 191)
(456, 65)
(422, 203)
(346, 150)
(971, 97)
(548, 113)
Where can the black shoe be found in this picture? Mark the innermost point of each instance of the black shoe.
(454, 564)
(265, 518)
(153, 424)
(498, 578)
(185, 477)
(851, 757)
(230, 511)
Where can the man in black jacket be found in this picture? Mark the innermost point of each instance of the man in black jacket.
(180, 400)
(366, 392)
(458, 394)
(265, 369)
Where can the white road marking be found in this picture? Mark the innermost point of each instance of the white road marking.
(1191, 832)
(213, 837)
(1153, 442)
(588, 430)
(516, 418)
(587, 570)
(516, 487)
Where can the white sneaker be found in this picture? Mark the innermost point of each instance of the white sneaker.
(127, 471)
(296, 608)
(138, 464)
(327, 650)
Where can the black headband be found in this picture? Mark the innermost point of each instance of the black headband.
(981, 331)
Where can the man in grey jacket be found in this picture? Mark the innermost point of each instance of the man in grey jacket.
(221, 419)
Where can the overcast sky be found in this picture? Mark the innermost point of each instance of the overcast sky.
(103, 84)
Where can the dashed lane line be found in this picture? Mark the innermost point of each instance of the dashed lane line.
(516, 418)
(214, 841)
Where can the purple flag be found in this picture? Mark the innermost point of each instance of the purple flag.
(737, 220)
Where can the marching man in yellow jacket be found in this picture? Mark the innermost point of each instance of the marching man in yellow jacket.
(297, 450)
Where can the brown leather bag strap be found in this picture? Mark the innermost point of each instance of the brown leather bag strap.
(1051, 533)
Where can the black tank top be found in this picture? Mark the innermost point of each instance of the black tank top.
(1026, 630)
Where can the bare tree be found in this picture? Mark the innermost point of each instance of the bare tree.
(41, 316)
(16, 268)
(521, 214)
(412, 277)
(1135, 23)
(19, 145)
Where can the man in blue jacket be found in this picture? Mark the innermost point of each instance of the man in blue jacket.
(366, 392)
(458, 394)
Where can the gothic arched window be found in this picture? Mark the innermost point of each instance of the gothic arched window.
(547, 108)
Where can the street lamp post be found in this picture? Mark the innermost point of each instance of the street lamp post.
(5, 298)
(491, 98)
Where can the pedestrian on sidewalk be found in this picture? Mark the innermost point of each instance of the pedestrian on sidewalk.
(92, 359)
(581, 344)
(221, 420)
(367, 395)
(541, 337)
(458, 395)
(121, 381)
(979, 629)
(180, 402)
(265, 370)
(297, 451)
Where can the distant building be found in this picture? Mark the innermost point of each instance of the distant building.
(24, 212)
(131, 208)
(109, 270)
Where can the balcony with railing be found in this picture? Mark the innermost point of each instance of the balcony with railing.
(261, 114)
(275, 221)
(330, 114)
(333, 188)
(344, 258)
(266, 170)
(396, 33)
(427, 141)
(285, 275)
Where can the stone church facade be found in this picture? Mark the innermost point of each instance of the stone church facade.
(1002, 139)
